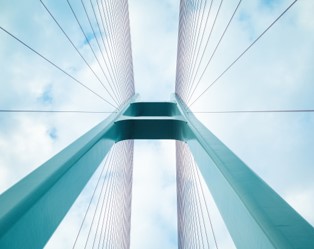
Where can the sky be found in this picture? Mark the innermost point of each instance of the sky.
(277, 73)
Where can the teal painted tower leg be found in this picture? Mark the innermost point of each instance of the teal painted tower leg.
(31, 210)
(36, 205)
(254, 214)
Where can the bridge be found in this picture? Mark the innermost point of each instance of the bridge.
(255, 215)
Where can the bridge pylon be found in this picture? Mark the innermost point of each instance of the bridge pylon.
(254, 214)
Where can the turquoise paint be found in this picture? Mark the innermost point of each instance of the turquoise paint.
(255, 215)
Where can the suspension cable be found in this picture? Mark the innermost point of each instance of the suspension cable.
(56, 66)
(250, 46)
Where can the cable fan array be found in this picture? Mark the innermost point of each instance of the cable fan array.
(195, 31)
(110, 27)
(107, 37)
(107, 220)
(197, 48)
(195, 229)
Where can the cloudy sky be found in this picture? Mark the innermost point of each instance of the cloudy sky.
(277, 73)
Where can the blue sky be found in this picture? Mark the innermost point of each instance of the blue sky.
(276, 74)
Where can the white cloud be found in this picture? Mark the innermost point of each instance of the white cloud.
(154, 39)
(154, 196)
(276, 73)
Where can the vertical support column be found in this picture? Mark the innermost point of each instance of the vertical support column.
(254, 214)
